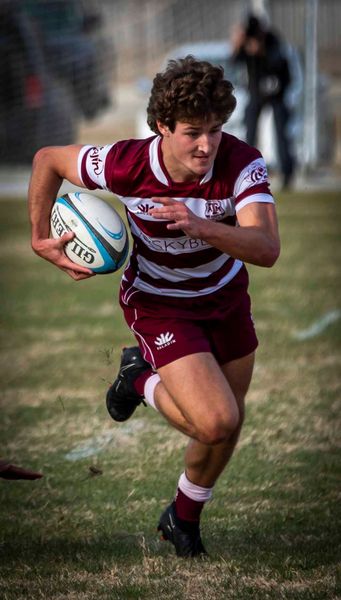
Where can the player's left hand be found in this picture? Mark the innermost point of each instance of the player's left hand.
(180, 215)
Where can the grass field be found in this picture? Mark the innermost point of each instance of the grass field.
(87, 530)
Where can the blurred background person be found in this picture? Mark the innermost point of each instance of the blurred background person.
(269, 78)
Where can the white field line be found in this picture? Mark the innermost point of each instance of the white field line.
(319, 326)
(120, 436)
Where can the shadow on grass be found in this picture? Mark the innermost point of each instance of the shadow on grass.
(276, 545)
(89, 553)
(299, 540)
(294, 521)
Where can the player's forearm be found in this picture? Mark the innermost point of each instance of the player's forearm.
(253, 245)
(43, 189)
(50, 166)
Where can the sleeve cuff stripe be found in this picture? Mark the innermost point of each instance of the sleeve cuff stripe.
(254, 198)
(81, 155)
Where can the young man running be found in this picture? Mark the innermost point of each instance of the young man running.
(199, 206)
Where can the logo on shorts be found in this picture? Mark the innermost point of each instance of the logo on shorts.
(164, 339)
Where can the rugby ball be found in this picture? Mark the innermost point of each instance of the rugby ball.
(101, 242)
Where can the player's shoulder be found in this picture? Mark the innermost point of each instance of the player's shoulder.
(128, 164)
(111, 165)
(123, 150)
(238, 153)
(128, 153)
(244, 163)
(133, 147)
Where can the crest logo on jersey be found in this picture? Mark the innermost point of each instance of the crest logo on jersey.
(253, 174)
(214, 209)
(96, 161)
(258, 175)
(164, 339)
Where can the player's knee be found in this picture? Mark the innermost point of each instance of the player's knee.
(219, 429)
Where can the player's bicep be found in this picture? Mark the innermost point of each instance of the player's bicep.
(66, 163)
(58, 161)
(261, 215)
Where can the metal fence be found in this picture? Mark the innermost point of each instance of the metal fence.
(63, 61)
(145, 30)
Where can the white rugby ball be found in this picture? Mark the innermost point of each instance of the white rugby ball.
(101, 242)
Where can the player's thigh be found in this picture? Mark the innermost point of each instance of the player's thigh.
(239, 374)
(201, 391)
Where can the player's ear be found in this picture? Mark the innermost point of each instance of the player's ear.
(163, 129)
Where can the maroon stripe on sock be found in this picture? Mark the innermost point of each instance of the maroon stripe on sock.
(186, 508)
(141, 380)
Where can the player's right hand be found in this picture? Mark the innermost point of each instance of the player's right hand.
(53, 250)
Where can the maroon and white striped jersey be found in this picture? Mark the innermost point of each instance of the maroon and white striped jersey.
(167, 262)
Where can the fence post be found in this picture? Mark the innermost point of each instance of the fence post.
(310, 128)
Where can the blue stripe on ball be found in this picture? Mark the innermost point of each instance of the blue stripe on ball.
(110, 264)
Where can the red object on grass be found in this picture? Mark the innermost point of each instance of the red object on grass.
(9, 471)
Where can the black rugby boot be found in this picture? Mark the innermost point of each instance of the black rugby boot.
(187, 543)
(122, 398)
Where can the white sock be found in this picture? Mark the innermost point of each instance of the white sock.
(193, 491)
(149, 388)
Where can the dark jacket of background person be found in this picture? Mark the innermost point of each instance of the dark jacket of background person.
(268, 78)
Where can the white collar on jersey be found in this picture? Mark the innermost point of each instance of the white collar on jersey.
(156, 167)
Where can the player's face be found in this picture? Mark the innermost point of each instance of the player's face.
(190, 150)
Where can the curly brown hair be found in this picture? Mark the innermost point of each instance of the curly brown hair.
(189, 90)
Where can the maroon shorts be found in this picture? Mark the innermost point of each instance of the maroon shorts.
(169, 328)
